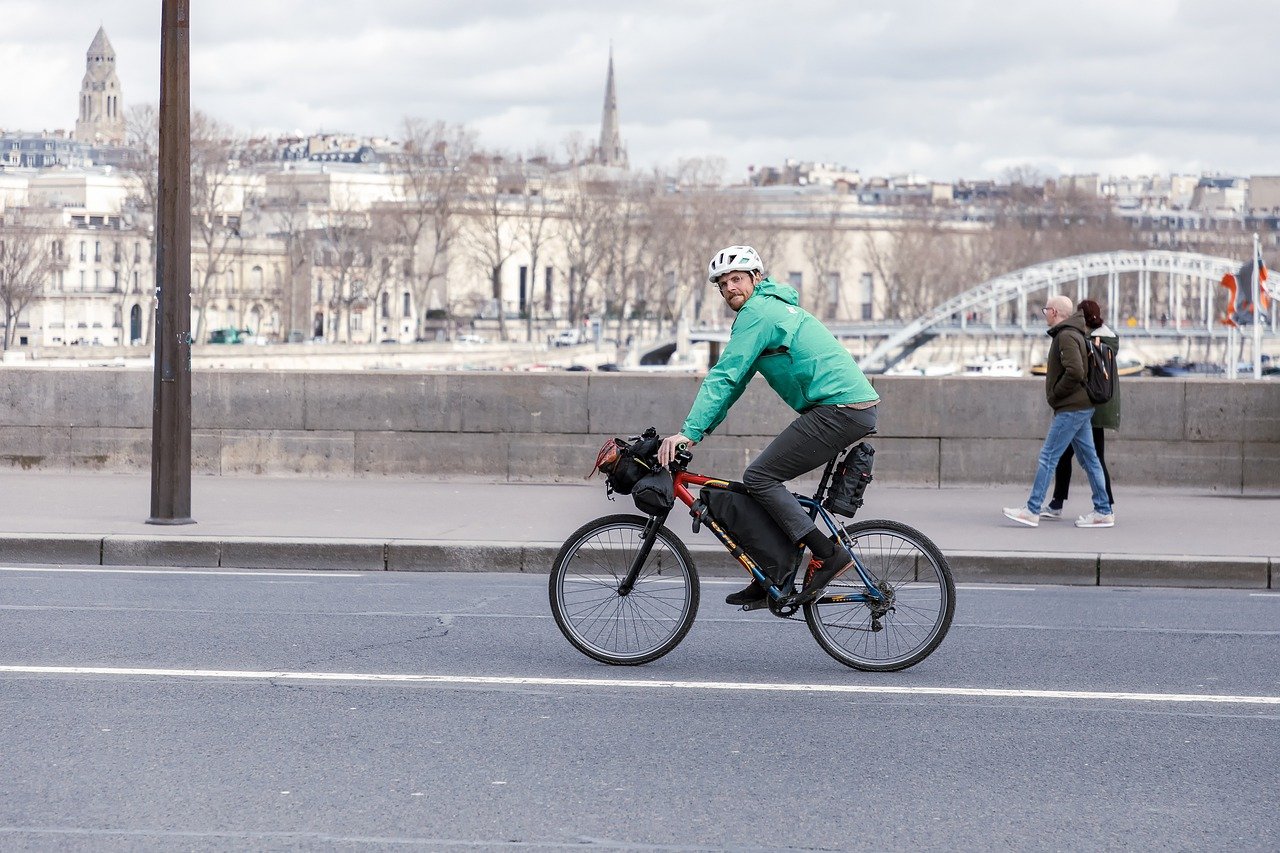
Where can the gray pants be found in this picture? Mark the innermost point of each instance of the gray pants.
(810, 442)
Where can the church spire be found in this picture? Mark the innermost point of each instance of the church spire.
(610, 152)
(101, 116)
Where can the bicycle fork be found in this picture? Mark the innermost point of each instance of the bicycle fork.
(647, 539)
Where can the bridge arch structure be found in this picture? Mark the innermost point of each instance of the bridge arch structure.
(1174, 291)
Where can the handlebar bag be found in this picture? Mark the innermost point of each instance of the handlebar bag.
(655, 492)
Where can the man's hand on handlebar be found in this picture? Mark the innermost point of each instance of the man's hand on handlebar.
(671, 444)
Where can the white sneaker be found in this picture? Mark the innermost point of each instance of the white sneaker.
(1050, 512)
(1022, 515)
(1096, 519)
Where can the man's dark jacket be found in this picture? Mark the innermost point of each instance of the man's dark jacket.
(1067, 366)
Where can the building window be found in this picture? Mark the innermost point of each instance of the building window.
(256, 280)
(357, 321)
(796, 280)
(404, 312)
(320, 292)
(97, 251)
(833, 291)
(865, 296)
(137, 252)
(97, 279)
(82, 279)
(82, 250)
(135, 281)
(386, 305)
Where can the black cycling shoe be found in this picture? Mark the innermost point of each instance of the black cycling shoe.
(827, 570)
(752, 594)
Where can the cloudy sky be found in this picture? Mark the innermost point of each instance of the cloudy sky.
(942, 88)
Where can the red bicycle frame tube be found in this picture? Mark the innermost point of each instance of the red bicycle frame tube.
(683, 480)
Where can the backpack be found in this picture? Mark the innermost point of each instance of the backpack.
(1100, 375)
(753, 529)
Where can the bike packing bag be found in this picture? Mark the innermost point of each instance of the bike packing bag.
(625, 464)
(654, 493)
(754, 530)
(849, 481)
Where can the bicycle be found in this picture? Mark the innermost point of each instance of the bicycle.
(624, 589)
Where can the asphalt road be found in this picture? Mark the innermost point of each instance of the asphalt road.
(154, 714)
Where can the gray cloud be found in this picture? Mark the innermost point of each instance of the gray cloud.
(946, 89)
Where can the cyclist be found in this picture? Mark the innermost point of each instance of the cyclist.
(812, 372)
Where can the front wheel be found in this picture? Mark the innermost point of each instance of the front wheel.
(918, 599)
(645, 623)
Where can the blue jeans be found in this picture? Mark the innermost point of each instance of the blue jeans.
(1075, 429)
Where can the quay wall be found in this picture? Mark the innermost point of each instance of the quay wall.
(1203, 433)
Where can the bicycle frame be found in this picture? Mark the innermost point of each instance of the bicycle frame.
(684, 479)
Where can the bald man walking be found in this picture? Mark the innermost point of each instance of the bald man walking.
(1067, 366)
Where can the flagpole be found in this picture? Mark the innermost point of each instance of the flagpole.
(1257, 308)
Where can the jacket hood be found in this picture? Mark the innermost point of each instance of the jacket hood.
(1075, 321)
(783, 292)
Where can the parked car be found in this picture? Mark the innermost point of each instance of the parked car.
(568, 338)
(230, 336)
(471, 339)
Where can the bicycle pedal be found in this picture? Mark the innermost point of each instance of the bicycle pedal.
(756, 605)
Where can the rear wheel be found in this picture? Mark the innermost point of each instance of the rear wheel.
(918, 600)
(647, 622)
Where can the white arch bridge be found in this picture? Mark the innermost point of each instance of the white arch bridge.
(1161, 293)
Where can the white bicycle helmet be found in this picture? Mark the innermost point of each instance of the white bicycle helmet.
(733, 258)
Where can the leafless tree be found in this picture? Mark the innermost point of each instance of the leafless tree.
(345, 248)
(913, 263)
(25, 263)
(588, 205)
(434, 165)
(492, 240)
(692, 218)
(291, 223)
(627, 239)
(389, 265)
(213, 147)
(535, 234)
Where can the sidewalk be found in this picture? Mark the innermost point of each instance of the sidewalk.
(1162, 537)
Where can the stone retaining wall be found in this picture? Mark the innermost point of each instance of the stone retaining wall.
(1212, 434)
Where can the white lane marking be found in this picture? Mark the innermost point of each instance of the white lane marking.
(984, 588)
(255, 573)
(1264, 595)
(738, 686)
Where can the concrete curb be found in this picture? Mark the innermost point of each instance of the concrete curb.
(414, 555)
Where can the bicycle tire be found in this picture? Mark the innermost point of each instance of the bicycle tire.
(905, 564)
(623, 630)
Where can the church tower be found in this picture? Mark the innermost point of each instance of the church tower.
(101, 120)
(610, 152)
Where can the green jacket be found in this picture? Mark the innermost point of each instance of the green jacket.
(796, 354)
(1107, 415)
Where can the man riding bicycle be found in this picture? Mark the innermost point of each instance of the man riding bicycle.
(812, 372)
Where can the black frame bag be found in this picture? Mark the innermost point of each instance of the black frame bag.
(754, 530)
